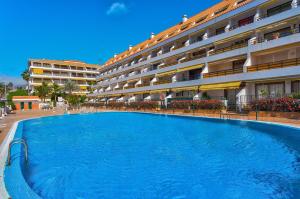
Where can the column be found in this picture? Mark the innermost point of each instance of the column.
(205, 70)
(188, 42)
(295, 3)
(248, 62)
(175, 78)
(160, 52)
(206, 34)
(229, 25)
(258, 15)
(288, 86)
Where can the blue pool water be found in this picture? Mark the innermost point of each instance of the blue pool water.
(147, 156)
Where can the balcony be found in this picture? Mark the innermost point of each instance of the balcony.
(274, 65)
(234, 27)
(163, 81)
(277, 35)
(223, 73)
(143, 85)
(230, 48)
(128, 87)
(252, 25)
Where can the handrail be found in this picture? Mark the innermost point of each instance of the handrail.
(274, 65)
(278, 35)
(222, 50)
(223, 73)
(261, 17)
(168, 81)
(13, 142)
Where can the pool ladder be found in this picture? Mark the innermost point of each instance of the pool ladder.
(17, 141)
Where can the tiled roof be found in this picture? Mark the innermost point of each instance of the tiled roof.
(65, 62)
(25, 98)
(217, 10)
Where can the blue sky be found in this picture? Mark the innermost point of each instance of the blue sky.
(87, 30)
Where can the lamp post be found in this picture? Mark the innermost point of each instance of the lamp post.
(4, 98)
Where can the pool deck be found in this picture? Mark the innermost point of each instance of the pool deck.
(7, 122)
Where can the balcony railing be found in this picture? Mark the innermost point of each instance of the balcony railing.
(129, 86)
(143, 85)
(274, 65)
(223, 73)
(233, 47)
(278, 35)
(231, 28)
(166, 81)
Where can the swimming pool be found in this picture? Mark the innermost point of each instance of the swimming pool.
(148, 156)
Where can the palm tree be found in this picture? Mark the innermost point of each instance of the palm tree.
(10, 86)
(90, 87)
(56, 90)
(70, 87)
(26, 76)
(43, 91)
(2, 89)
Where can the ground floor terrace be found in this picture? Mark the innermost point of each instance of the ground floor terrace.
(287, 118)
(237, 95)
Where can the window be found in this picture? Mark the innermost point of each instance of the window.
(296, 86)
(221, 10)
(201, 19)
(46, 65)
(238, 64)
(246, 21)
(278, 9)
(220, 30)
(159, 39)
(199, 38)
(195, 74)
(243, 41)
(240, 1)
(278, 33)
(269, 90)
(171, 34)
(201, 53)
(155, 66)
(36, 64)
(183, 27)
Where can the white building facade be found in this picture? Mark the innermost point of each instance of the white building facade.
(237, 50)
(59, 72)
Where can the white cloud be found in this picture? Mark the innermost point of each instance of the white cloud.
(117, 8)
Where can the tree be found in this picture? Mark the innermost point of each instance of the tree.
(10, 86)
(18, 92)
(26, 76)
(82, 98)
(55, 92)
(73, 100)
(70, 87)
(90, 87)
(43, 91)
(2, 90)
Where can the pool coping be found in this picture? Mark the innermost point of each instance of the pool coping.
(10, 136)
(3, 155)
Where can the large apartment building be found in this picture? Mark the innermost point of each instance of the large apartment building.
(59, 72)
(236, 50)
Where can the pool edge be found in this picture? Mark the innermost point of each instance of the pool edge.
(3, 155)
(9, 137)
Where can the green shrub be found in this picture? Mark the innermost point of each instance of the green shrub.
(18, 92)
